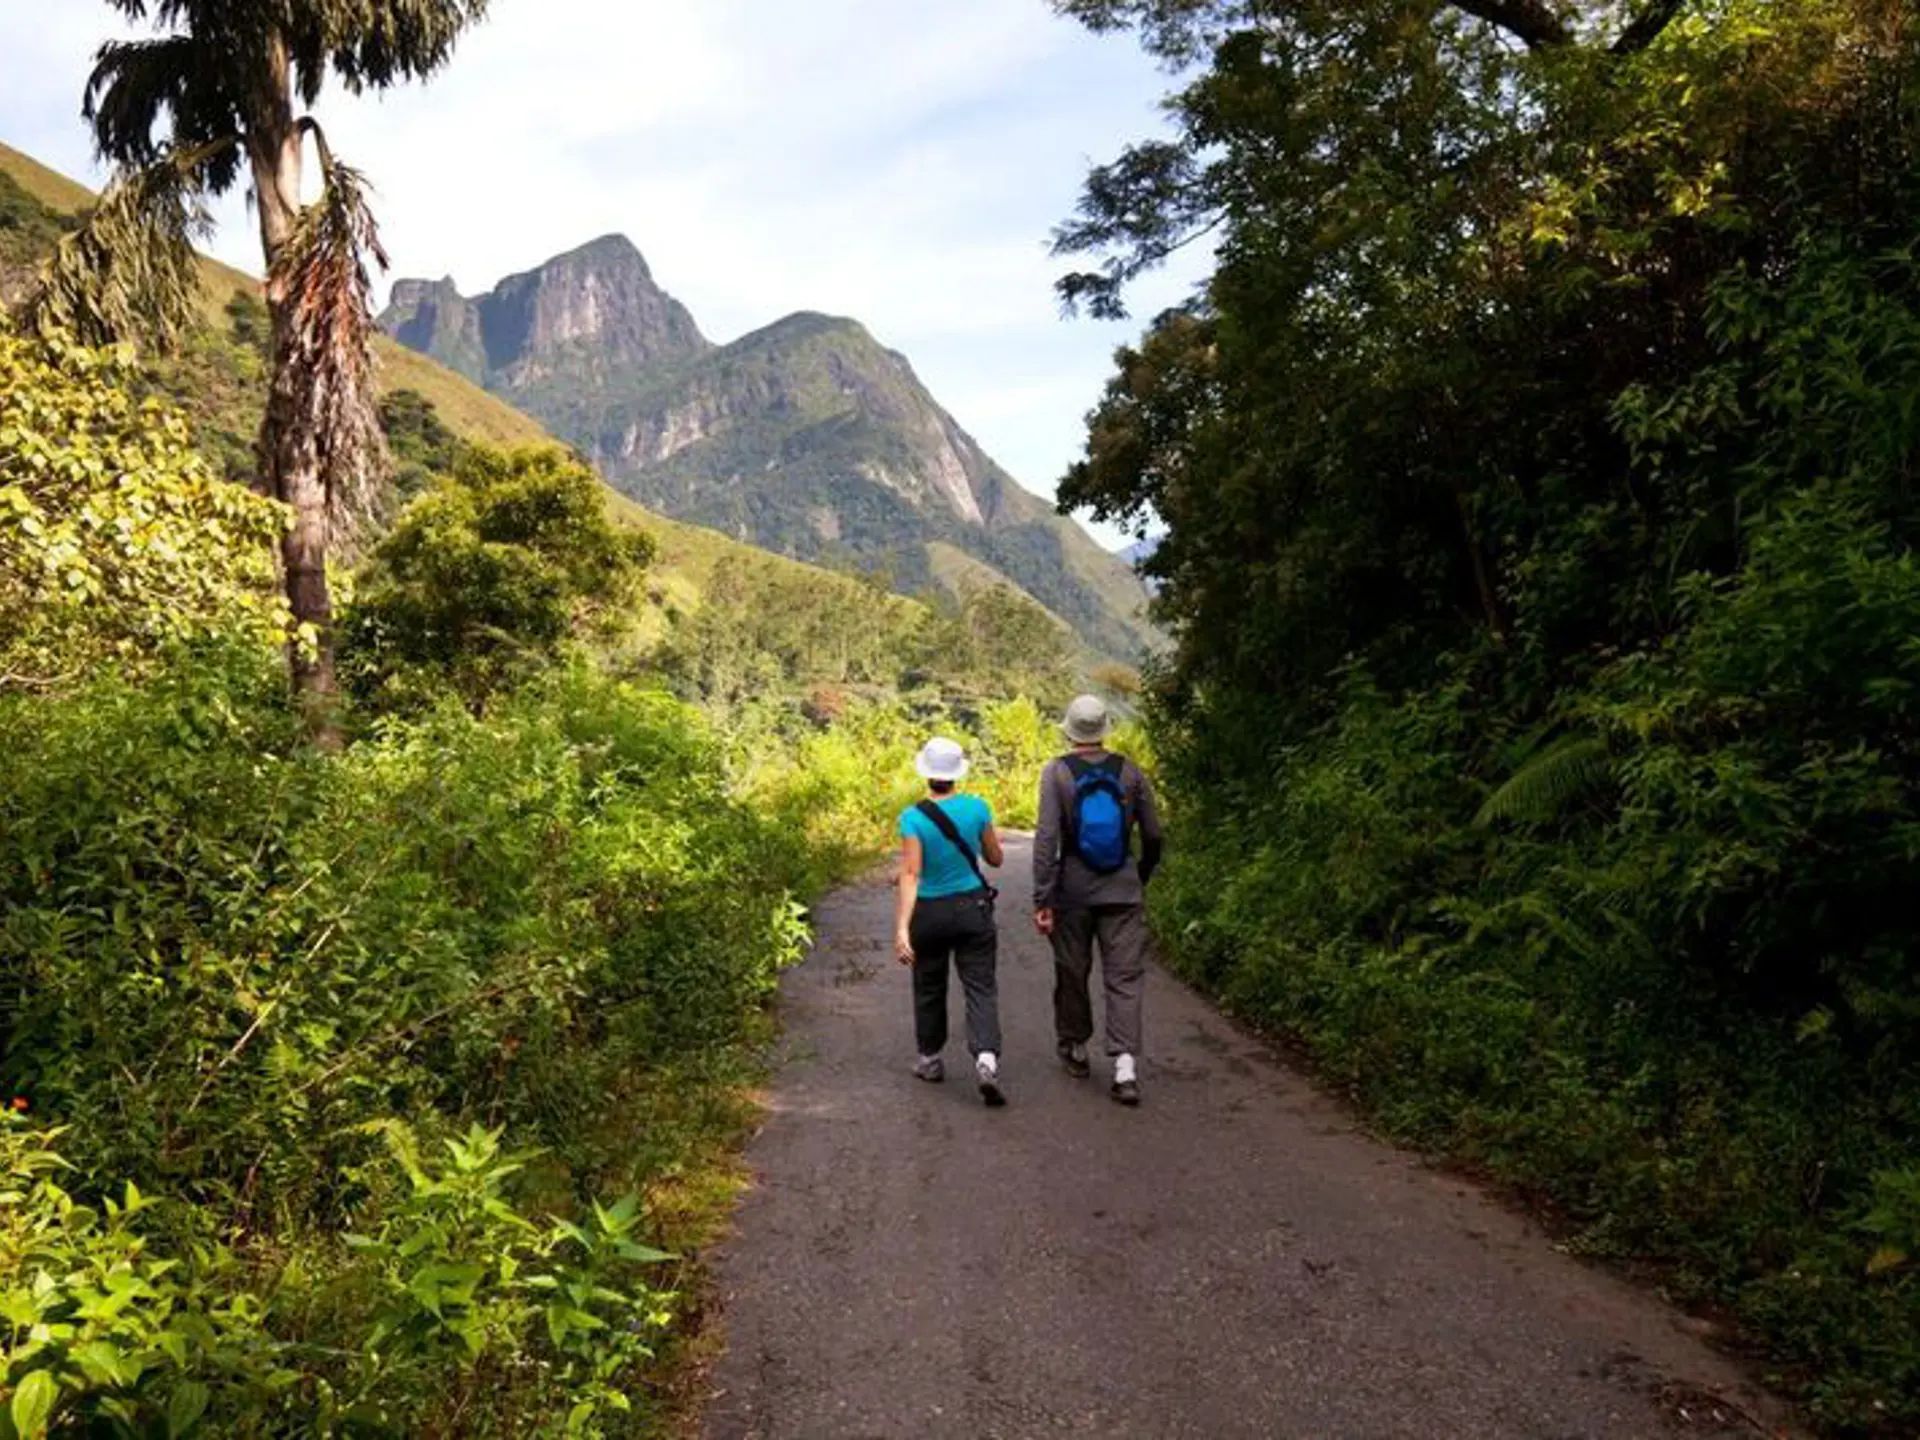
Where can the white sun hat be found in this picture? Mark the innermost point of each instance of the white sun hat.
(941, 760)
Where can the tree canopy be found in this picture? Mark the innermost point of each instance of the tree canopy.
(115, 536)
(1538, 465)
(484, 577)
(218, 92)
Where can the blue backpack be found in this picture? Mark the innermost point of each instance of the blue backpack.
(1099, 813)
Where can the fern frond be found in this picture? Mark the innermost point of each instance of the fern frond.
(1545, 785)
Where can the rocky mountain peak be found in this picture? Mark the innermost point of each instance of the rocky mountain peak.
(582, 316)
(412, 294)
(600, 298)
(807, 436)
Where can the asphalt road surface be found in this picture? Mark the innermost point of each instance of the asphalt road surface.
(1233, 1258)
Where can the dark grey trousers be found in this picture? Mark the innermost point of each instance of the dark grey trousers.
(957, 932)
(1121, 933)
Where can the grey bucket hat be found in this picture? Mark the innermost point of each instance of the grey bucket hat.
(1087, 721)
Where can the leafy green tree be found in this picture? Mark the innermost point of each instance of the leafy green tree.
(1443, 259)
(484, 578)
(115, 536)
(219, 94)
(1351, 102)
(418, 440)
(1540, 452)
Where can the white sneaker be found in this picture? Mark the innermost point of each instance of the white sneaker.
(1126, 1087)
(987, 1069)
(930, 1069)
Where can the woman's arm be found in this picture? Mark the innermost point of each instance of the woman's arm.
(907, 892)
(990, 850)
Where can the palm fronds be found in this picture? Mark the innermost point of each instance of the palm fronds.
(129, 272)
(321, 290)
(1548, 782)
(137, 86)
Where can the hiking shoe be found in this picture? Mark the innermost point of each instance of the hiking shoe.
(988, 1071)
(1074, 1057)
(1127, 1092)
(929, 1068)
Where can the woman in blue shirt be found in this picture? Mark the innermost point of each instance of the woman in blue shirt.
(944, 916)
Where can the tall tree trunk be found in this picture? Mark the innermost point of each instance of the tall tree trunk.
(1490, 609)
(289, 434)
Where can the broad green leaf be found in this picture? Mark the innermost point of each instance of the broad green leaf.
(33, 1402)
(102, 1362)
(185, 1407)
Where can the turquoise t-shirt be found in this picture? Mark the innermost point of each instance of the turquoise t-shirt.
(943, 869)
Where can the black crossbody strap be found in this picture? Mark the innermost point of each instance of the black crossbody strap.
(946, 827)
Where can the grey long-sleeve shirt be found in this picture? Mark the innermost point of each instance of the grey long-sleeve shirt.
(1061, 880)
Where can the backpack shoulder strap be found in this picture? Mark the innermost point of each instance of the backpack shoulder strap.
(1114, 768)
(1065, 774)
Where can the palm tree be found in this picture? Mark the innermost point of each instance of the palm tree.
(221, 93)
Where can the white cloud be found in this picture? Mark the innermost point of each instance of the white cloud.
(901, 161)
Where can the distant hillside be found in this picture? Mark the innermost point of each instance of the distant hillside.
(807, 437)
(219, 381)
(1137, 554)
(469, 410)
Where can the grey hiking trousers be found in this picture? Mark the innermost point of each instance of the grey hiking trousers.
(956, 932)
(1120, 931)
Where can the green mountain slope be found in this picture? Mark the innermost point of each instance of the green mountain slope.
(219, 380)
(42, 199)
(806, 437)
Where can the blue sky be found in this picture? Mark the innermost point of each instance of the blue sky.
(901, 161)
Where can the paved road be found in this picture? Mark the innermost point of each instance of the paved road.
(1231, 1259)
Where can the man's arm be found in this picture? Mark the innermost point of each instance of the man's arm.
(1046, 843)
(1146, 814)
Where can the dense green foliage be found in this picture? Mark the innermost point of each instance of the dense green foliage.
(1539, 463)
(233, 961)
(485, 576)
(115, 536)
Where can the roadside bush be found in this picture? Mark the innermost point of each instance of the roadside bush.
(102, 1331)
(242, 974)
(237, 947)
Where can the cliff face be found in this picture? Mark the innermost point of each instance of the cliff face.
(592, 314)
(807, 437)
(435, 319)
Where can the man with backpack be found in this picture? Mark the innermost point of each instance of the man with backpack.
(1089, 889)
